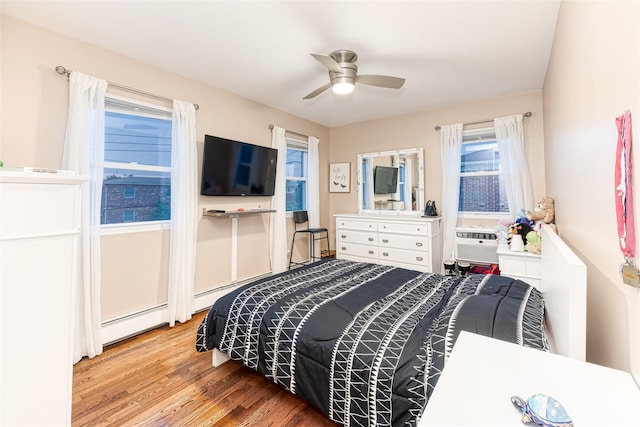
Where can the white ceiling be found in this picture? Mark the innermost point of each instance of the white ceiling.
(449, 52)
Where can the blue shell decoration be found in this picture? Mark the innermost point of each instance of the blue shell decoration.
(543, 410)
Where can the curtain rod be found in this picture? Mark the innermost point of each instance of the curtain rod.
(291, 131)
(527, 114)
(62, 70)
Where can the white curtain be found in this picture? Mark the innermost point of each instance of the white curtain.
(313, 187)
(408, 182)
(84, 152)
(313, 183)
(278, 224)
(513, 159)
(184, 213)
(369, 200)
(451, 141)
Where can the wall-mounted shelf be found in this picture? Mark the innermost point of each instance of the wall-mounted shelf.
(235, 214)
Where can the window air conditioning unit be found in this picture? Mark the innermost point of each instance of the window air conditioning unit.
(476, 245)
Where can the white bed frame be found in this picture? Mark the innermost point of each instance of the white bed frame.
(564, 287)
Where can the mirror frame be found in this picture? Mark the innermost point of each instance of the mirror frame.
(420, 186)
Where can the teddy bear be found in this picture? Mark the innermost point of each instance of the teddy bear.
(544, 211)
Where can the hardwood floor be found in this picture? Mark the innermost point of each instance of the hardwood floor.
(158, 379)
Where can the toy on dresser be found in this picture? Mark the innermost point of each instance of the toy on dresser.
(524, 233)
(543, 212)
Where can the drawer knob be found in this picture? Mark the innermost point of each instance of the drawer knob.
(370, 252)
(419, 258)
(385, 240)
(343, 248)
(371, 239)
(418, 244)
(344, 236)
(385, 253)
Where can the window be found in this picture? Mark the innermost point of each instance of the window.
(137, 174)
(129, 192)
(297, 155)
(129, 215)
(481, 183)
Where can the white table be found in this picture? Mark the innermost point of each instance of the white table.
(483, 373)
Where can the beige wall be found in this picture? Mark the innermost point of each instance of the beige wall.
(593, 77)
(33, 106)
(417, 130)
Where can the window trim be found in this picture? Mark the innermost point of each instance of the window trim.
(125, 105)
(474, 136)
(299, 145)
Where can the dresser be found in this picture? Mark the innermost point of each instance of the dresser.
(520, 265)
(39, 232)
(408, 242)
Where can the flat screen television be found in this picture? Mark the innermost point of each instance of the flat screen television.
(385, 180)
(235, 168)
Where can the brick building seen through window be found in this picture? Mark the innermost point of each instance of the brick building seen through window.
(152, 201)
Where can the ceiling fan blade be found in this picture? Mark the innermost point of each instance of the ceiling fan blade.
(381, 81)
(328, 62)
(318, 91)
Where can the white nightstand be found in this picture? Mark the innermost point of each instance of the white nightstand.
(520, 265)
(483, 373)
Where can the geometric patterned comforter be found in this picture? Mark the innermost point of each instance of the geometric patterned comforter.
(365, 343)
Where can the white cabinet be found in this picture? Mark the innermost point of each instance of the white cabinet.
(404, 242)
(483, 373)
(39, 229)
(520, 265)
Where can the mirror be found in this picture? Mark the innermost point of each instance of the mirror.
(391, 182)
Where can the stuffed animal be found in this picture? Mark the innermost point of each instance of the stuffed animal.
(533, 245)
(519, 228)
(502, 231)
(544, 211)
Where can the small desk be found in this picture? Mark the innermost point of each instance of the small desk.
(234, 215)
(483, 373)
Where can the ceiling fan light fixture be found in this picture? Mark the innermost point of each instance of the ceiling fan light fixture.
(342, 88)
(343, 74)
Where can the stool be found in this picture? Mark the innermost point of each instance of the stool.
(315, 234)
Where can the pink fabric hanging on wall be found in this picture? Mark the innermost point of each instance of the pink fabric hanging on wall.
(624, 189)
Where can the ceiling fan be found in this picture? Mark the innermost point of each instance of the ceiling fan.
(343, 73)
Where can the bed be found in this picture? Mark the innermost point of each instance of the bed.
(366, 343)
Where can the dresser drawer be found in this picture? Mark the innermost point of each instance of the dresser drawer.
(420, 229)
(360, 237)
(520, 266)
(354, 249)
(356, 224)
(415, 243)
(405, 256)
(35, 210)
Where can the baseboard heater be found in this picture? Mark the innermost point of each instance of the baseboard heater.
(128, 325)
(476, 245)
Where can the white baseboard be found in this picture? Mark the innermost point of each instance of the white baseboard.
(135, 323)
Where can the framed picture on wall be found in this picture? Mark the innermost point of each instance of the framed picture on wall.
(340, 177)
